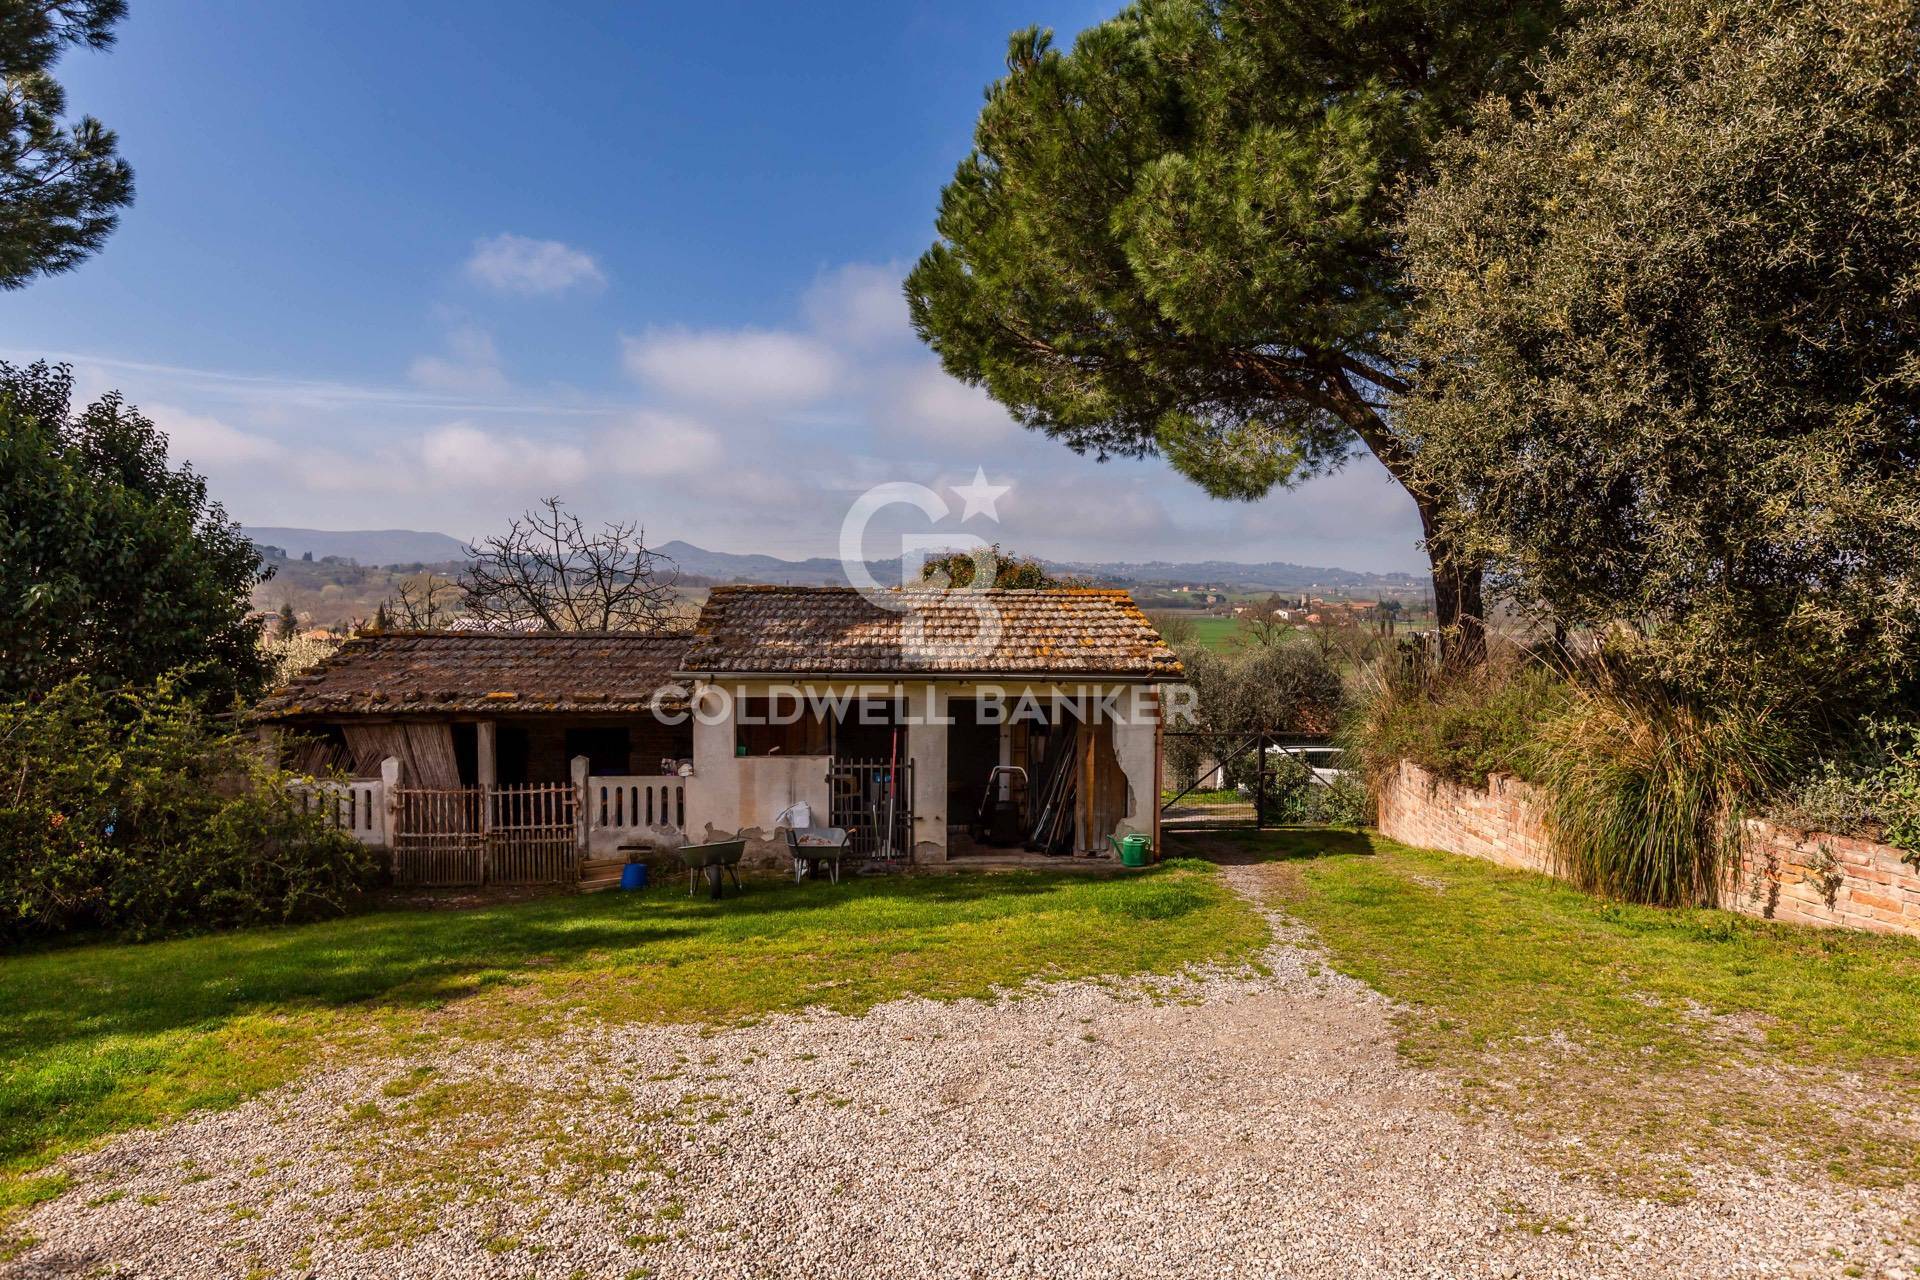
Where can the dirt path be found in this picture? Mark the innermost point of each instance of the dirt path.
(1225, 1124)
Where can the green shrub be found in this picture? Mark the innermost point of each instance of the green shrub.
(134, 811)
(1837, 798)
(1872, 790)
(1896, 786)
(1463, 728)
(1344, 802)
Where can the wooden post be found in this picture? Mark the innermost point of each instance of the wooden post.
(390, 796)
(486, 753)
(580, 766)
(1159, 769)
(1260, 782)
(1083, 802)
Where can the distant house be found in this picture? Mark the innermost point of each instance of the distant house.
(786, 706)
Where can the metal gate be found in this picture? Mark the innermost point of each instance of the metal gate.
(1278, 770)
(486, 835)
(873, 799)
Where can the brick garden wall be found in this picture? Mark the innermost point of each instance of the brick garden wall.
(1801, 877)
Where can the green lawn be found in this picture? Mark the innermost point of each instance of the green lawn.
(1650, 1036)
(1217, 633)
(1216, 796)
(102, 1037)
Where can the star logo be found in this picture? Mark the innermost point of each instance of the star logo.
(980, 497)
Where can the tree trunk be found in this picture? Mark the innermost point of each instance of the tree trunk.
(1458, 600)
(1457, 579)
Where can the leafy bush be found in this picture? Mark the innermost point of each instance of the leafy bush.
(1464, 728)
(134, 811)
(1872, 791)
(1344, 802)
(1837, 799)
(118, 566)
(1287, 688)
(1897, 786)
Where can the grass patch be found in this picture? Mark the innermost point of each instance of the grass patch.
(1219, 796)
(1651, 1036)
(1219, 634)
(99, 1038)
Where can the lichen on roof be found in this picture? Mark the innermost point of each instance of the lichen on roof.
(1038, 632)
(449, 672)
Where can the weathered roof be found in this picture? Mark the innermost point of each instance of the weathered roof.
(409, 672)
(1064, 631)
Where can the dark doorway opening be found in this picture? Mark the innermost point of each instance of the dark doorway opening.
(606, 749)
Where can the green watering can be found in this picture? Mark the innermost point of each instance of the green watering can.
(1134, 851)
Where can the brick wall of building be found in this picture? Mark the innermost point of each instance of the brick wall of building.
(1800, 877)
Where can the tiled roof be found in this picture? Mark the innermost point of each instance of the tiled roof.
(1065, 631)
(442, 671)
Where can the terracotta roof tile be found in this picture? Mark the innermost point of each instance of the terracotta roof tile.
(440, 671)
(1066, 631)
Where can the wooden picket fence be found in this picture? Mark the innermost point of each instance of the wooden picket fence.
(486, 835)
(533, 836)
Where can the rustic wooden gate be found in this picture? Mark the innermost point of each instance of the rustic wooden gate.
(533, 835)
(437, 837)
(486, 835)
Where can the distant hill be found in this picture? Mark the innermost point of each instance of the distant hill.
(727, 566)
(408, 547)
(1273, 575)
(363, 546)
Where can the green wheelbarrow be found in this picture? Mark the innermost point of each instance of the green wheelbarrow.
(713, 858)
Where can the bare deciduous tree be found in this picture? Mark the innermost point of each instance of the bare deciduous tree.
(548, 570)
(422, 603)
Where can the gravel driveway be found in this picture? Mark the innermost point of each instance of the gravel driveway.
(1225, 1124)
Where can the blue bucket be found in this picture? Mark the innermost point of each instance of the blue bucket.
(633, 876)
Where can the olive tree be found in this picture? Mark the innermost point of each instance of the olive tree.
(1668, 338)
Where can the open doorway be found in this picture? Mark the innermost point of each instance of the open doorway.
(973, 753)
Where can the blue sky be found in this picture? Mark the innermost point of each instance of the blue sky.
(420, 265)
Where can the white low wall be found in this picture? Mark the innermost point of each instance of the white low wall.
(358, 807)
(636, 809)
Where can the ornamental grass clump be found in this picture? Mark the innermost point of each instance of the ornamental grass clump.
(1646, 789)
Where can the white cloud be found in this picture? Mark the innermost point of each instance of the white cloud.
(523, 265)
(471, 365)
(859, 305)
(663, 444)
(942, 409)
(464, 456)
(206, 441)
(747, 439)
(733, 368)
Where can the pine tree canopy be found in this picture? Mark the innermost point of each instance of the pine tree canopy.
(61, 185)
(1180, 235)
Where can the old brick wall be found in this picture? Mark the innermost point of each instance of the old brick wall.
(1499, 824)
(1801, 877)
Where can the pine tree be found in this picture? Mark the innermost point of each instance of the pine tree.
(60, 186)
(1180, 236)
